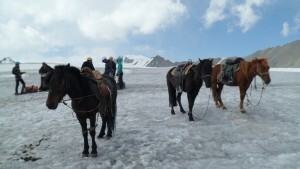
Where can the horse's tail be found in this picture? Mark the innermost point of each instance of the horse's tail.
(112, 109)
(171, 89)
(113, 100)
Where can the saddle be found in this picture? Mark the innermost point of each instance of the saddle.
(180, 73)
(228, 70)
(94, 74)
(103, 86)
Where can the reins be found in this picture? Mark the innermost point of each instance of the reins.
(206, 109)
(261, 93)
(208, 75)
(67, 86)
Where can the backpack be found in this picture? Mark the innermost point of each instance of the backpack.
(13, 71)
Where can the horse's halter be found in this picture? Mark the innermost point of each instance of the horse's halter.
(65, 91)
(208, 75)
(261, 73)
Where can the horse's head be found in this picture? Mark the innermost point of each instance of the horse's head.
(262, 69)
(206, 70)
(58, 85)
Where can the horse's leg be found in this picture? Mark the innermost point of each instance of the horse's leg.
(103, 126)
(172, 96)
(109, 124)
(219, 93)
(172, 111)
(214, 92)
(191, 99)
(242, 97)
(83, 124)
(179, 102)
(92, 134)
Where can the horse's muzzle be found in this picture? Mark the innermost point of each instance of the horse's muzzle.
(51, 106)
(268, 81)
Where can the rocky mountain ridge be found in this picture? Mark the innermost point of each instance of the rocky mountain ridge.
(285, 56)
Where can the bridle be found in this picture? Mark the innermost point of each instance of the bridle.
(261, 73)
(65, 91)
(208, 75)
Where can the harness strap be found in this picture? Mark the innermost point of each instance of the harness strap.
(89, 129)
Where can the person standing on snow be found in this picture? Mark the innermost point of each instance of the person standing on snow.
(88, 63)
(18, 75)
(110, 66)
(120, 73)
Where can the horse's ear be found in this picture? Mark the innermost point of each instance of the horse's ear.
(68, 65)
(200, 60)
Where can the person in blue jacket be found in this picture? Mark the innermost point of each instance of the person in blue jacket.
(120, 73)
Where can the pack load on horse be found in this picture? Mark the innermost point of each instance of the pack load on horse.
(188, 78)
(240, 73)
(31, 89)
(89, 94)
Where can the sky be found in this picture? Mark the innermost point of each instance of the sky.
(178, 30)
(147, 136)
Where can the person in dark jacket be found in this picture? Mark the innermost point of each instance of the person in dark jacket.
(120, 73)
(88, 63)
(18, 76)
(110, 66)
(43, 72)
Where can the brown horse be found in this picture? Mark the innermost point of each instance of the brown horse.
(244, 76)
(88, 97)
(192, 83)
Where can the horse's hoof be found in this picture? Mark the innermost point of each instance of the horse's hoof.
(100, 136)
(172, 113)
(94, 155)
(109, 136)
(85, 154)
(243, 111)
(224, 108)
(191, 118)
(183, 112)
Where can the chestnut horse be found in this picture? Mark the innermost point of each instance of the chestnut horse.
(191, 85)
(88, 97)
(244, 76)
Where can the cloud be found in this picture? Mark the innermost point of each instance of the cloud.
(291, 29)
(45, 27)
(247, 13)
(131, 16)
(285, 29)
(297, 22)
(215, 12)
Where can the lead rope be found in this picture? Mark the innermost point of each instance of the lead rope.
(262, 89)
(206, 108)
(261, 93)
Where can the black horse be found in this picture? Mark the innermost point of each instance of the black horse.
(192, 83)
(88, 97)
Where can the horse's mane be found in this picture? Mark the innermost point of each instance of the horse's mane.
(61, 69)
(247, 66)
(256, 60)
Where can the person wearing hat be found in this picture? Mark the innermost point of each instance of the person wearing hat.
(110, 66)
(18, 75)
(88, 63)
(43, 72)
